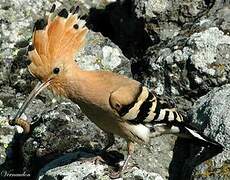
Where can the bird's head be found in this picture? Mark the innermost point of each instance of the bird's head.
(55, 42)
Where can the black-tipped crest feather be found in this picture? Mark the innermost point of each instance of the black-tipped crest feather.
(53, 8)
(57, 40)
(72, 9)
(76, 10)
(84, 17)
(63, 13)
(40, 24)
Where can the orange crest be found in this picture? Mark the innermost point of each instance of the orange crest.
(54, 40)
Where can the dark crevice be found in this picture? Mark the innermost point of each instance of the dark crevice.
(118, 22)
(167, 81)
(209, 3)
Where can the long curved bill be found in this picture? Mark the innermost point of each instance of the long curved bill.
(38, 88)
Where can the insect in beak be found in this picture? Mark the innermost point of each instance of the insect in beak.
(38, 88)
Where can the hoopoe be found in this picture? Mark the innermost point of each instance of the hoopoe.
(115, 103)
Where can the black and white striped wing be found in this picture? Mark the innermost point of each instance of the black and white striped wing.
(151, 111)
(148, 108)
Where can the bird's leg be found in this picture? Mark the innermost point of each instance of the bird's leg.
(130, 147)
(110, 141)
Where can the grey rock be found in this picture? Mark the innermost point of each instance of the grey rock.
(142, 175)
(211, 42)
(3, 155)
(119, 22)
(96, 3)
(65, 168)
(210, 116)
(16, 26)
(172, 64)
(189, 66)
(167, 17)
(100, 53)
(156, 156)
(209, 64)
(63, 121)
(168, 10)
(6, 136)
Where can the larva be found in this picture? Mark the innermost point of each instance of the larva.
(21, 122)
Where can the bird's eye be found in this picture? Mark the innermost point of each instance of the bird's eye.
(56, 70)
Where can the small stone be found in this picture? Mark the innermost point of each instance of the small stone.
(198, 80)
(54, 100)
(111, 57)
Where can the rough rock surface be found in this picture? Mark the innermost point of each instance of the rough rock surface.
(74, 170)
(191, 62)
(198, 64)
(166, 19)
(101, 53)
(63, 168)
(210, 114)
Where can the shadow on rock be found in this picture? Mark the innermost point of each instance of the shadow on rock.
(81, 159)
(187, 154)
(118, 21)
(15, 161)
